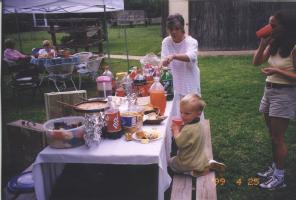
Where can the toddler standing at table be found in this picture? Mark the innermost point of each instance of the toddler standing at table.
(191, 158)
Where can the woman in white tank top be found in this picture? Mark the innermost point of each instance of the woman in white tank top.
(278, 103)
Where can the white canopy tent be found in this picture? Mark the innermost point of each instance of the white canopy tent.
(63, 6)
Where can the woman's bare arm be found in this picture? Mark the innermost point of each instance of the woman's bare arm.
(262, 53)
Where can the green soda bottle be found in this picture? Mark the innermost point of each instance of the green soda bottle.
(166, 80)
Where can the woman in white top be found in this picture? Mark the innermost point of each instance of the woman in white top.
(179, 53)
(48, 51)
(278, 103)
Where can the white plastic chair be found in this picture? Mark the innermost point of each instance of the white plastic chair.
(59, 73)
(91, 69)
(83, 59)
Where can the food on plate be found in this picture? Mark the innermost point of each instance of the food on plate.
(91, 105)
(152, 116)
(154, 134)
(141, 134)
(150, 135)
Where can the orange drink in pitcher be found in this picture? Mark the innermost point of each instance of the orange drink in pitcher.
(157, 96)
(158, 100)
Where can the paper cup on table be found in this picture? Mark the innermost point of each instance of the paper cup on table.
(264, 31)
(177, 120)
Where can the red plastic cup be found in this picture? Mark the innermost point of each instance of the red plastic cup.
(264, 31)
(177, 120)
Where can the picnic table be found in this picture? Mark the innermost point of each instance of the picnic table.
(50, 162)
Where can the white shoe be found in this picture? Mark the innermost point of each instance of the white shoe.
(273, 183)
(267, 173)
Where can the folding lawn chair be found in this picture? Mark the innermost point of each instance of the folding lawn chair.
(91, 69)
(60, 71)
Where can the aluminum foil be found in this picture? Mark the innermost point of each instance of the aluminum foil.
(94, 123)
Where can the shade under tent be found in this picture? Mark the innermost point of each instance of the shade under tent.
(65, 6)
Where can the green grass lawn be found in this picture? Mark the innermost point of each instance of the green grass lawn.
(140, 40)
(232, 88)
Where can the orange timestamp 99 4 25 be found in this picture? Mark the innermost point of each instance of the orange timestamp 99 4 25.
(251, 181)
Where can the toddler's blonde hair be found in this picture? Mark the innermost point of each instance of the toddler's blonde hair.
(197, 103)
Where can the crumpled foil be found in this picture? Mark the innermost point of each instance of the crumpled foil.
(94, 123)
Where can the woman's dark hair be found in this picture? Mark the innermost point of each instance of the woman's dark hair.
(174, 21)
(9, 43)
(285, 38)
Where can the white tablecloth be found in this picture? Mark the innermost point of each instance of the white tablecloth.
(49, 163)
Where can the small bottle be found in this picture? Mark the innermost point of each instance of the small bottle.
(166, 80)
(107, 72)
(140, 84)
(113, 121)
(127, 84)
(157, 96)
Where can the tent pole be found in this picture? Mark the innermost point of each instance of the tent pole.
(34, 20)
(106, 29)
(18, 30)
(45, 20)
(126, 49)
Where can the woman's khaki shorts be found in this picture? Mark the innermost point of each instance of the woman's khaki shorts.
(279, 102)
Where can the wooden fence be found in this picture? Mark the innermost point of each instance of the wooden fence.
(228, 24)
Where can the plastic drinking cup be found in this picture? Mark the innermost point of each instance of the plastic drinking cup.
(177, 120)
(264, 31)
